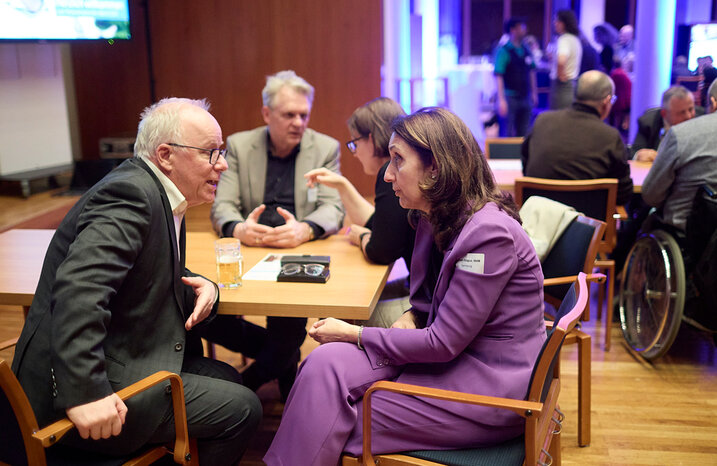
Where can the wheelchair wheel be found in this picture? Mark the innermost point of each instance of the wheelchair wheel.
(652, 294)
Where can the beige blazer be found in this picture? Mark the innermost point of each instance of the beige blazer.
(241, 187)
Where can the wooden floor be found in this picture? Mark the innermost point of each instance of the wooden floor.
(642, 414)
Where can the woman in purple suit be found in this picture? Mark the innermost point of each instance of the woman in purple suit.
(475, 323)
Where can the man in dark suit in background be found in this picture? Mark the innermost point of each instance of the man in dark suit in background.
(575, 144)
(115, 304)
(678, 105)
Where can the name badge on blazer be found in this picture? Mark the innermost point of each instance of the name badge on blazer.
(312, 194)
(472, 262)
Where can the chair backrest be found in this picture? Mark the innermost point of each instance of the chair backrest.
(572, 307)
(701, 222)
(701, 255)
(693, 83)
(18, 422)
(503, 148)
(573, 252)
(596, 198)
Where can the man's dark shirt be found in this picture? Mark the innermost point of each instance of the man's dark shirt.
(279, 187)
(278, 191)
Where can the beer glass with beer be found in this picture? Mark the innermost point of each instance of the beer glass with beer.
(229, 262)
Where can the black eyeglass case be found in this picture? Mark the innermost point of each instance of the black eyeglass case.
(306, 259)
(302, 276)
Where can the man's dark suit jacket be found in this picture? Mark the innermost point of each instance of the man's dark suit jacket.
(110, 307)
(574, 144)
(649, 127)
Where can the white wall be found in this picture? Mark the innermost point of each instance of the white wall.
(592, 13)
(34, 123)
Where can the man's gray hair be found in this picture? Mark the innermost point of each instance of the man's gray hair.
(275, 82)
(160, 123)
(676, 91)
(593, 86)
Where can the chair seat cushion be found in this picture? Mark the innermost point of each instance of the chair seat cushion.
(511, 452)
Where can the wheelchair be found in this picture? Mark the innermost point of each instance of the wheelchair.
(670, 277)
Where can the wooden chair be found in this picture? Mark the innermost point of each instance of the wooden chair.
(539, 408)
(694, 84)
(575, 252)
(503, 148)
(595, 198)
(23, 442)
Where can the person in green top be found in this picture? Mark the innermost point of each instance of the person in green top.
(515, 80)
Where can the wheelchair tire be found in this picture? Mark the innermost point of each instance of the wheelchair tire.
(652, 294)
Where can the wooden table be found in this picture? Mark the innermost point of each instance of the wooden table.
(21, 256)
(507, 170)
(351, 292)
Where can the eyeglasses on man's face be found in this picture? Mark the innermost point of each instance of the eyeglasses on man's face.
(213, 153)
(352, 144)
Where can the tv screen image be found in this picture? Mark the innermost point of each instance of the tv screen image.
(703, 42)
(64, 19)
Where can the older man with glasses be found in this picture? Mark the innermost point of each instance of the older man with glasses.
(263, 200)
(114, 303)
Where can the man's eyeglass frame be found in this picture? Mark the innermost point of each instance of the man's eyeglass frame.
(212, 158)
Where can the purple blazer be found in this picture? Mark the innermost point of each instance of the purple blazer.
(485, 322)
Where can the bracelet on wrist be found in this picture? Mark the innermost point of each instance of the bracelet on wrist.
(362, 235)
(358, 341)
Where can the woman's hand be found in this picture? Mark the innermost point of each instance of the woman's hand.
(407, 320)
(325, 177)
(328, 330)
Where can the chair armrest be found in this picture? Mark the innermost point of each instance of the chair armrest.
(54, 432)
(621, 213)
(8, 343)
(568, 279)
(521, 407)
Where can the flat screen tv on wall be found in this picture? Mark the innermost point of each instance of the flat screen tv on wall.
(703, 42)
(64, 19)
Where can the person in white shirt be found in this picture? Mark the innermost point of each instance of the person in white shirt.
(566, 64)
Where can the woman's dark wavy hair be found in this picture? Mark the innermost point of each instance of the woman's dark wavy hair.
(567, 17)
(464, 182)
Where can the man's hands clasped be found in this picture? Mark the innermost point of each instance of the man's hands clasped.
(291, 234)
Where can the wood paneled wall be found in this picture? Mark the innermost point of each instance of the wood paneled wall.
(223, 50)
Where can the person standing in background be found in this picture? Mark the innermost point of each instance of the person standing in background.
(606, 35)
(515, 81)
(625, 48)
(620, 113)
(566, 63)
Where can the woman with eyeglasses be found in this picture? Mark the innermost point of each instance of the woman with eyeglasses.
(381, 230)
(475, 324)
